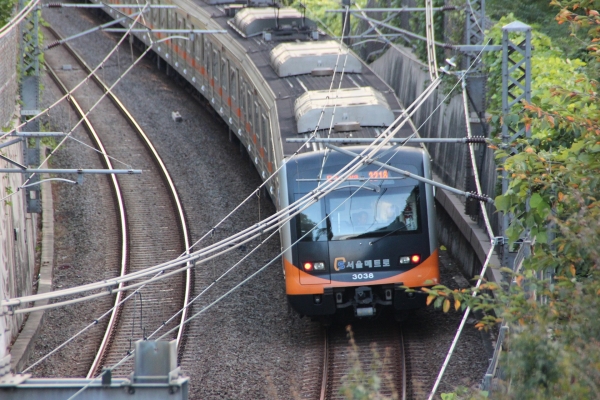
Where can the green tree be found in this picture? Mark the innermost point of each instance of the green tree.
(554, 346)
(6, 10)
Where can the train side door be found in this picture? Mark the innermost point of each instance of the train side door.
(197, 64)
(234, 98)
(208, 84)
(226, 101)
(216, 74)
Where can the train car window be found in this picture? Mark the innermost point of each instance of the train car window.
(154, 13)
(233, 85)
(256, 120)
(310, 223)
(198, 41)
(264, 135)
(249, 108)
(392, 211)
(243, 97)
(164, 17)
(224, 68)
(179, 25)
(215, 68)
(207, 55)
(190, 41)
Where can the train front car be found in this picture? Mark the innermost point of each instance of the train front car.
(356, 249)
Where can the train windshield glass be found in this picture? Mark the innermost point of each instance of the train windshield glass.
(311, 227)
(391, 211)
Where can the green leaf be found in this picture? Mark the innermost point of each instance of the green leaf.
(535, 200)
(502, 203)
(542, 237)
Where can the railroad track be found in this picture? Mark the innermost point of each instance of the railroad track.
(152, 225)
(378, 347)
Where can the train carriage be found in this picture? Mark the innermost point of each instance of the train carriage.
(276, 76)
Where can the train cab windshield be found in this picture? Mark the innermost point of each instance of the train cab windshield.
(352, 213)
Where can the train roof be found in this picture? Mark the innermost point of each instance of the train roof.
(253, 21)
(290, 59)
(289, 88)
(364, 106)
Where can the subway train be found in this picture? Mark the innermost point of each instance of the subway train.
(273, 76)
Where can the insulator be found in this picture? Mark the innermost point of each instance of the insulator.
(480, 197)
(476, 139)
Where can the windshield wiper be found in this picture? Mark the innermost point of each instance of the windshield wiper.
(372, 188)
(402, 228)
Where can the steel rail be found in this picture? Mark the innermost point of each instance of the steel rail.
(324, 382)
(402, 364)
(122, 217)
(184, 231)
(335, 355)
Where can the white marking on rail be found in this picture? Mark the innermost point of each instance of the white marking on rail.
(302, 84)
(353, 81)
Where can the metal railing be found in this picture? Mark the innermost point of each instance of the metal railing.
(494, 372)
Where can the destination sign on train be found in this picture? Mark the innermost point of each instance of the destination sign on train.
(382, 174)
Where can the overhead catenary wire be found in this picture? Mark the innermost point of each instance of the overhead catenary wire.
(118, 302)
(273, 233)
(83, 330)
(462, 324)
(270, 223)
(430, 32)
(382, 144)
(301, 202)
(474, 167)
(286, 160)
(16, 20)
(395, 150)
(325, 155)
(213, 303)
(93, 107)
(488, 228)
(67, 95)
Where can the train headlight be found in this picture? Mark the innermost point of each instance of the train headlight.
(317, 266)
(414, 259)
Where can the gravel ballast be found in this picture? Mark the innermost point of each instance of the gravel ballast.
(250, 345)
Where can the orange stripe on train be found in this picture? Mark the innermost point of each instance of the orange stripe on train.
(428, 270)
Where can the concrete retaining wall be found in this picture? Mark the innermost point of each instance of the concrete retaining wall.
(18, 229)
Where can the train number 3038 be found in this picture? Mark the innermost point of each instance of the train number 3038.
(363, 276)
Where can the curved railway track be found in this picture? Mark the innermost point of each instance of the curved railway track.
(152, 222)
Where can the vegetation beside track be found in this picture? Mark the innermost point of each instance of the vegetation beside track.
(554, 196)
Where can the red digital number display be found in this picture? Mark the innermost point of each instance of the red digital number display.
(382, 174)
